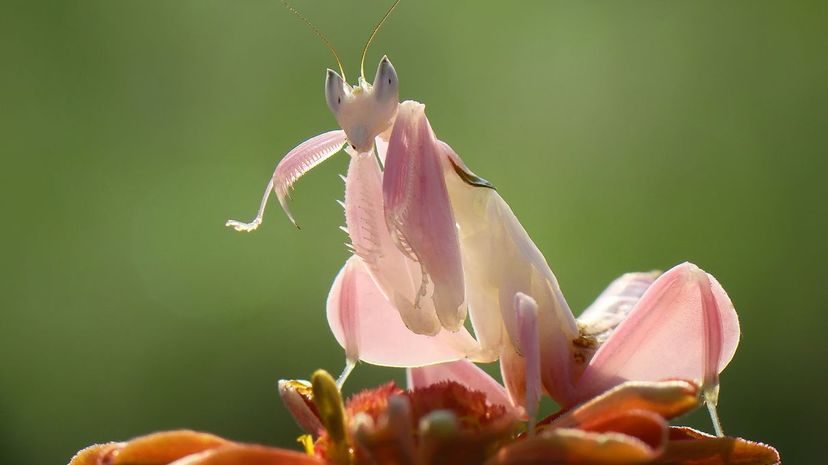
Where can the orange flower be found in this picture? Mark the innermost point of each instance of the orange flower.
(447, 422)
(442, 423)
(185, 447)
(627, 425)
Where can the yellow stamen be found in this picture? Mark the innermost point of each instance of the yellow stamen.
(307, 442)
(328, 401)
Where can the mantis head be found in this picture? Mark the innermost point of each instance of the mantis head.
(364, 110)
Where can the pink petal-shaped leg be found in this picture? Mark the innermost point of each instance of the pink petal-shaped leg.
(396, 275)
(462, 372)
(527, 313)
(600, 319)
(521, 371)
(614, 304)
(296, 163)
(513, 373)
(684, 326)
(370, 328)
(418, 212)
(713, 331)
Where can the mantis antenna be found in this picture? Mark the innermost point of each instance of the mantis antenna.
(320, 35)
(371, 38)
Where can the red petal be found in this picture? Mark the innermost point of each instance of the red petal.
(688, 446)
(649, 427)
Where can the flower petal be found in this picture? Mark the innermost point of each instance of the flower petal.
(165, 447)
(684, 326)
(248, 454)
(95, 455)
(370, 329)
(573, 446)
(687, 445)
(391, 439)
(462, 372)
(668, 399)
(418, 212)
(443, 440)
(301, 159)
(297, 396)
(648, 427)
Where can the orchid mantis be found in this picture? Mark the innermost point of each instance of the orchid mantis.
(434, 245)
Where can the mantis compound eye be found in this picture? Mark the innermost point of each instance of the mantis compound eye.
(386, 86)
(335, 91)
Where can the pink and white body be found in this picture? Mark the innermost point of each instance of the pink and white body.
(435, 245)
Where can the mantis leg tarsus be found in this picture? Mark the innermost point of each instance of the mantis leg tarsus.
(252, 225)
(349, 367)
(711, 398)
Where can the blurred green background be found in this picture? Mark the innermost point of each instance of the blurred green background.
(625, 135)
